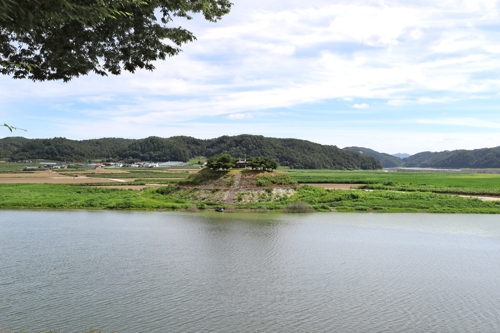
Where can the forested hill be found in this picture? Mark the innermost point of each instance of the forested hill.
(478, 158)
(388, 161)
(289, 152)
(61, 149)
(454, 159)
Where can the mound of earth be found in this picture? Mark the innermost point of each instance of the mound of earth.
(238, 186)
(238, 180)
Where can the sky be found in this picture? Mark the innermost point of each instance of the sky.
(395, 76)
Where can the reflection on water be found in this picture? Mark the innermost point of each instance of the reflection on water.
(173, 272)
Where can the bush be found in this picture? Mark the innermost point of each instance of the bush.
(298, 207)
(165, 190)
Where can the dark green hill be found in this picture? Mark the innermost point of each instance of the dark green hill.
(10, 144)
(62, 149)
(388, 161)
(289, 152)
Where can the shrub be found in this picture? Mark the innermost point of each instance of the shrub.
(165, 189)
(298, 207)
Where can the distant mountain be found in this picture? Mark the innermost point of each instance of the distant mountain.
(455, 159)
(298, 154)
(477, 158)
(388, 161)
(401, 155)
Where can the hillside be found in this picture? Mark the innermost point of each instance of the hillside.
(299, 154)
(478, 158)
(388, 161)
(454, 159)
(10, 144)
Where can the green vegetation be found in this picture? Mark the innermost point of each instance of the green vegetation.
(265, 191)
(262, 163)
(454, 159)
(205, 176)
(389, 201)
(221, 162)
(477, 158)
(279, 179)
(298, 207)
(60, 40)
(48, 196)
(456, 183)
(388, 161)
(293, 153)
(45, 196)
(139, 174)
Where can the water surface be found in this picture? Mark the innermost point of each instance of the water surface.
(179, 272)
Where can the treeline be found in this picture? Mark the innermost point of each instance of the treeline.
(62, 149)
(454, 159)
(299, 154)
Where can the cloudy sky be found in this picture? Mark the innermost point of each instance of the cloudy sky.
(394, 76)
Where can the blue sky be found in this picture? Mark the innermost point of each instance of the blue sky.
(394, 76)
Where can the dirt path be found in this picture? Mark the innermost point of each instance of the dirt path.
(230, 194)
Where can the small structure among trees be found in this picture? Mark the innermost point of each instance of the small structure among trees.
(226, 162)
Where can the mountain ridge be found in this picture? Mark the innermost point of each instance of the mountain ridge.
(294, 153)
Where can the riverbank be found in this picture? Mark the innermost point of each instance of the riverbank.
(251, 191)
(176, 198)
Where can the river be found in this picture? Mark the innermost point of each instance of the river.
(68, 271)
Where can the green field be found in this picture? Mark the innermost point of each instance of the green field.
(438, 182)
(140, 175)
(380, 192)
(48, 196)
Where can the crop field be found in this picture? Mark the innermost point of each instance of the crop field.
(329, 191)
(142, 175)
(439, 182)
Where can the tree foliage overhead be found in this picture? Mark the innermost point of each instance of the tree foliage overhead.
(63, 39)
(299, 154)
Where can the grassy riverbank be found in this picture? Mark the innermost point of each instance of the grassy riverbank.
(56, 196)
(250, 191)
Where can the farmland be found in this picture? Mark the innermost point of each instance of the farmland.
(346, 191)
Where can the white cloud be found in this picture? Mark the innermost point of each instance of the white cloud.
(239, 116)
(462, 122)
(416, 34)
(361, 106)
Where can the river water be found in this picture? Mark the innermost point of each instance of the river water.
(209, 272)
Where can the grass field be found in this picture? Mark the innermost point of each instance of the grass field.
(55, 196)
(377, 191)
(438, 182)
